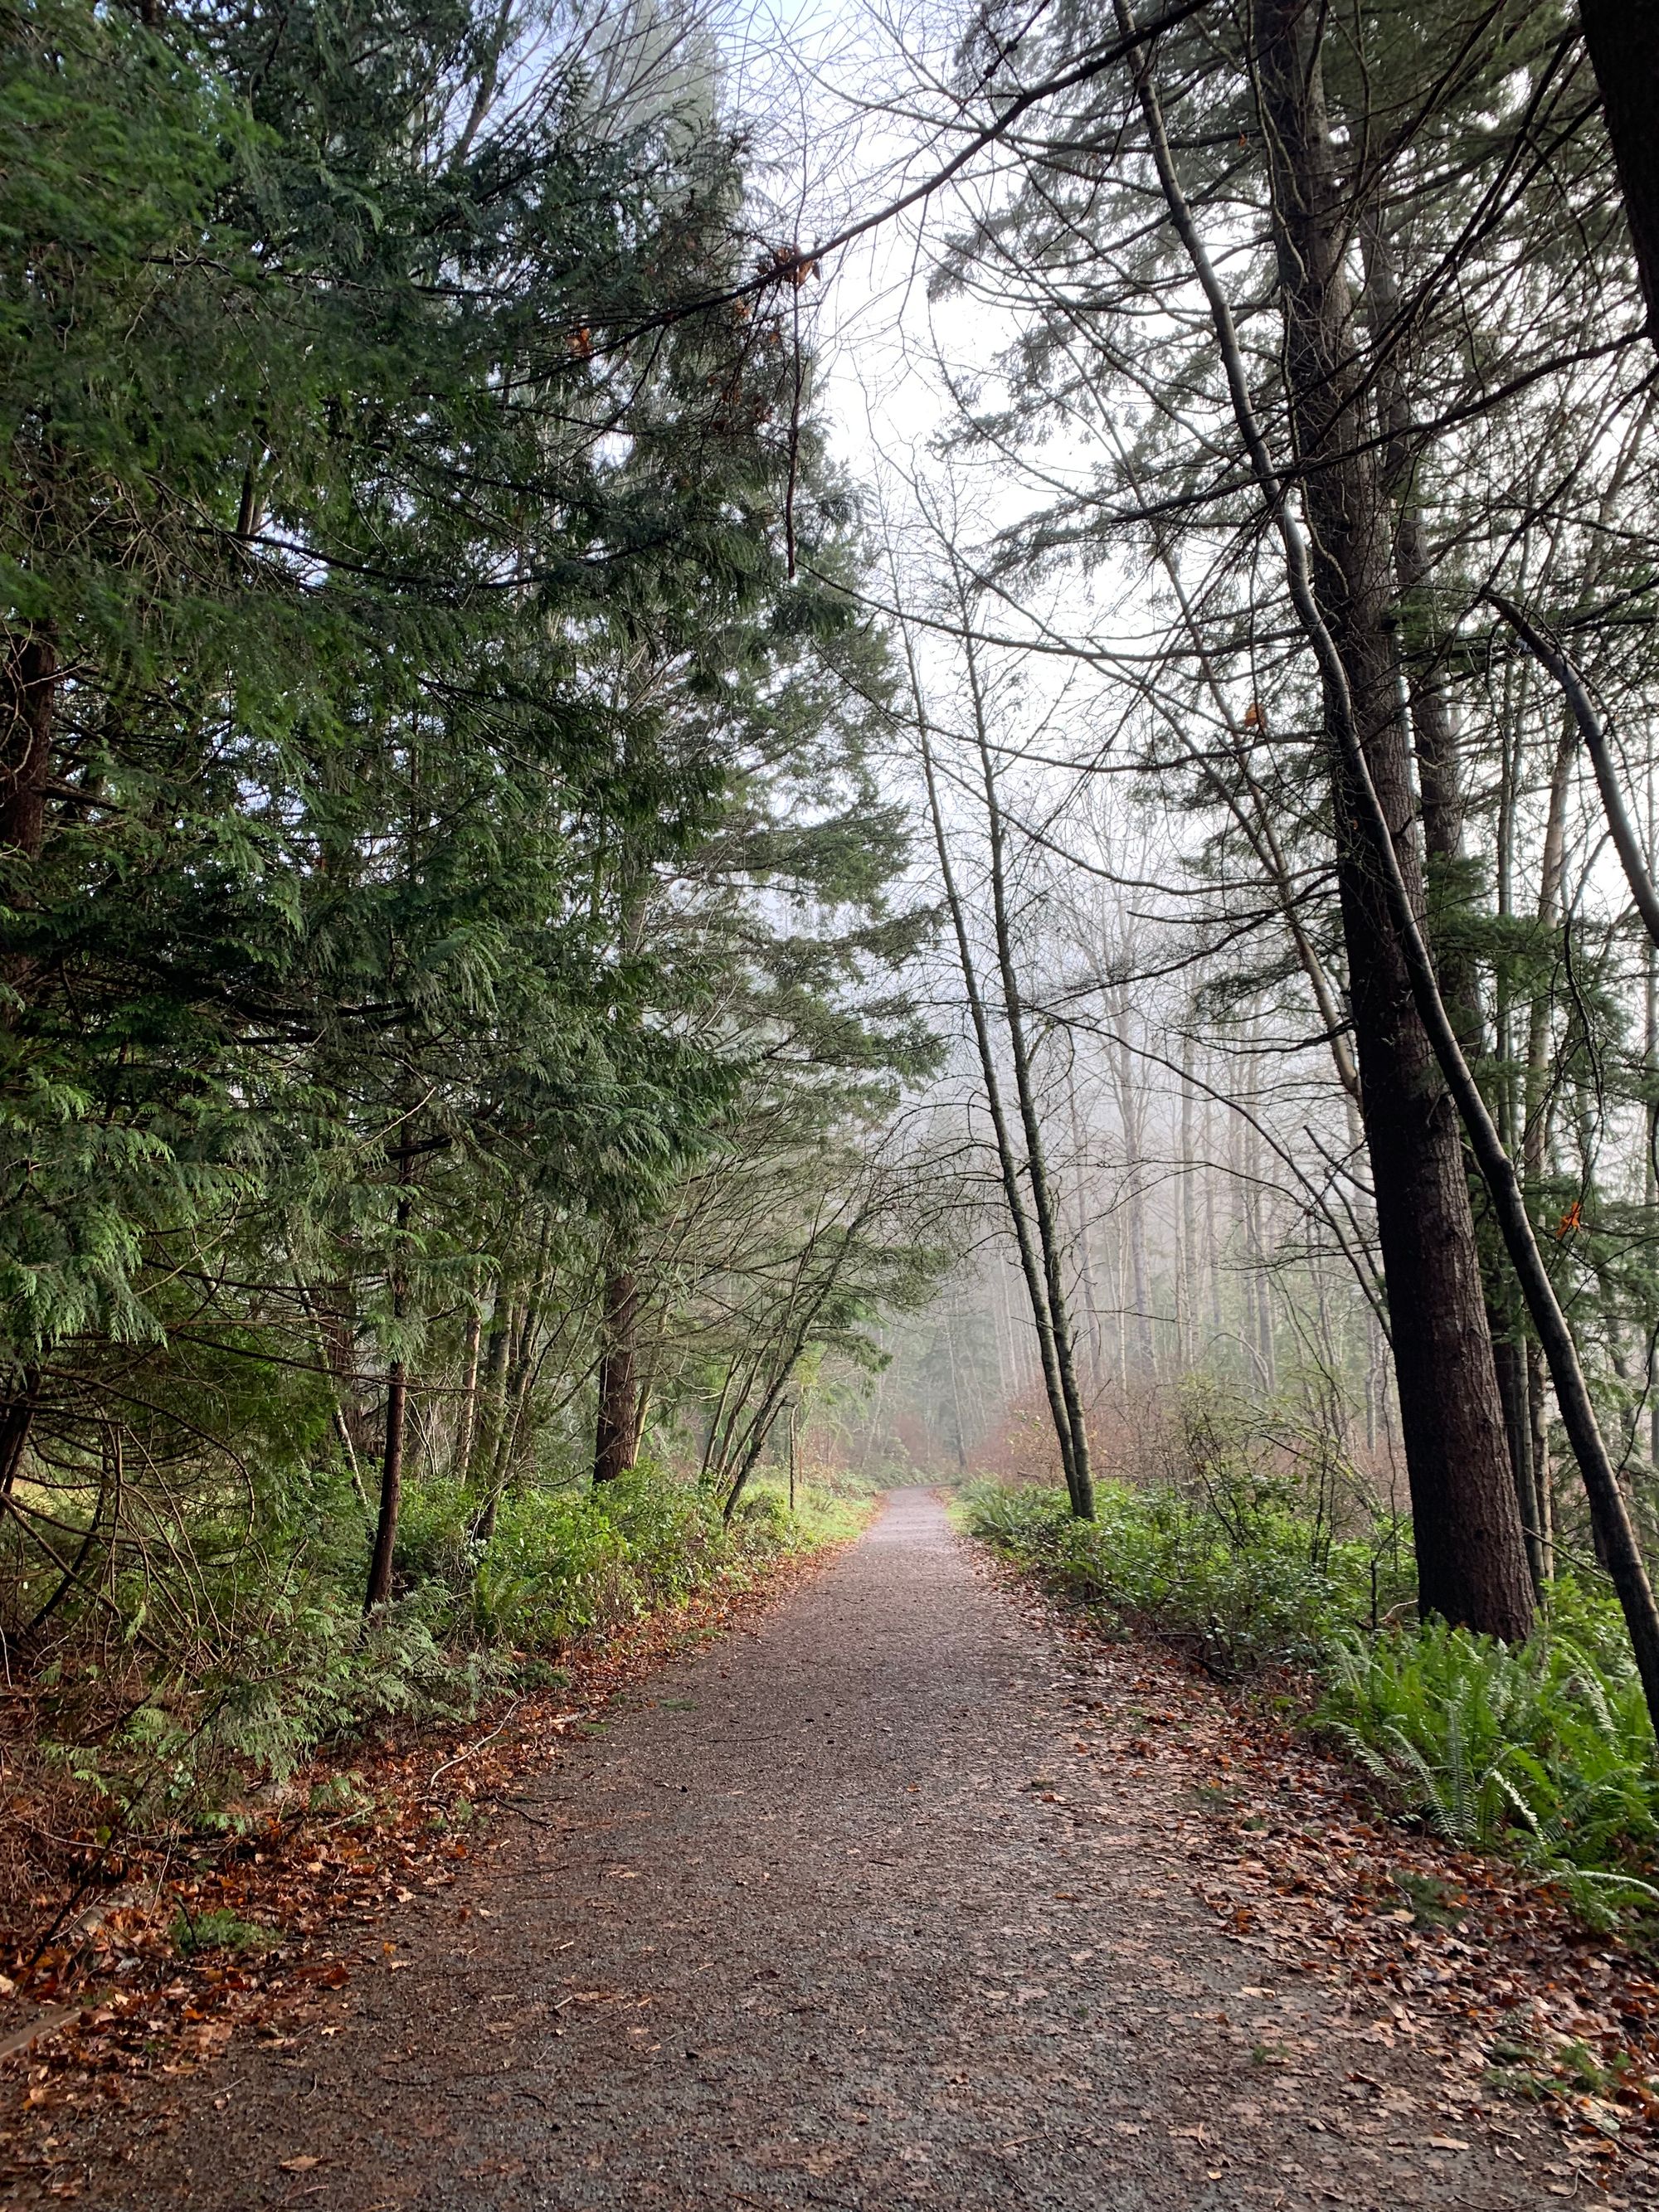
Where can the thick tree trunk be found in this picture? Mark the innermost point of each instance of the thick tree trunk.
(1623, 37)
(1472, 1565)
(1439, 770)
(616, 1437)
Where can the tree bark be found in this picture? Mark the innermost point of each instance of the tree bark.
(1623, 38)
(1471, 1559)
(617, 1438)
(28, 679)
(391, 1488)
(397, 1404)
(467, 1422)
(491, 1394)
(16, 1419)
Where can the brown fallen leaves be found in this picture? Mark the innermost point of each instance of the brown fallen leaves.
(1482, 1969)
(120, 1990)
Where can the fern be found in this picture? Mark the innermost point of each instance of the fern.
(1532, 1747)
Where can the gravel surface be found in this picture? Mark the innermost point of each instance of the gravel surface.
(826, 1918)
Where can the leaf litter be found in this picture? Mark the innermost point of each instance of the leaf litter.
(1474, 1965)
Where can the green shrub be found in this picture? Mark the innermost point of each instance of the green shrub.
(221, 1930)
(823, 1516)
(1247, 1583)
(563, 1563)
(309, 1670)
(314, 1671)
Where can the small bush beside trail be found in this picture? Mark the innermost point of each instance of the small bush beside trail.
(1544, 1748)
(1239, 1586)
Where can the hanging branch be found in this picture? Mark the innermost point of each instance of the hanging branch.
(1626, 841)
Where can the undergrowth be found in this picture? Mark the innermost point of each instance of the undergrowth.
(153, 1747)
(1239, 1584)
(1544, 1748)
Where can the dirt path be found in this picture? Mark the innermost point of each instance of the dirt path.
(829, 1919)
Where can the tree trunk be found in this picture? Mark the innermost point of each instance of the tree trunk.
(28, 678)
(469, 1409)
(490, 1415)
(1019, 1220)
(1509, 1354)
(1538, 1425)
(16, 1419)
(1134, 1200)
(1080, 1477)
(523, 1326)
(396, 1403)
(1471, 1559)
(1623, 37)
(1440, 782)
(391, 1488)
(1188, 1231)
(616, 1441)
(1650, 1173)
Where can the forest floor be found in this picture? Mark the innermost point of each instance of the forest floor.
(909, 1893)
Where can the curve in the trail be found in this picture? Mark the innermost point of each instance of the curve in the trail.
(819, 1922)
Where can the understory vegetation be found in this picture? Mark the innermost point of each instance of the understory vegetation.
(193, 1745)
(1542, 1748)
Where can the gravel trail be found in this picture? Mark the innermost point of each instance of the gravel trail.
(827, 1918)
